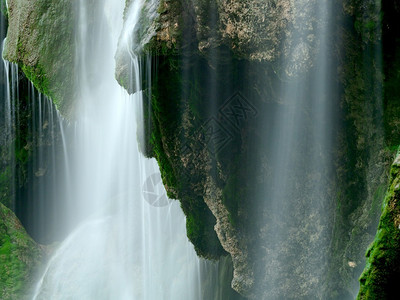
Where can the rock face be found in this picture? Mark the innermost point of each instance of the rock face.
(262, 31)
(19, 257)
(215, 56)
(220, 69)
(40, 40)
(382, 272)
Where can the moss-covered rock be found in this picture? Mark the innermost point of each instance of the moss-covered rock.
(362, 165)
(382, 273)
(40, 40)
(19, 257)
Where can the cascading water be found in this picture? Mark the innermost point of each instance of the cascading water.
(8, 134)
(299, 137)
(131, 243)
(30, 148)
(302, 199)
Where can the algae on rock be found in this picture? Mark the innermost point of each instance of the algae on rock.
(382, 271)
(19, 257)
(382, 274)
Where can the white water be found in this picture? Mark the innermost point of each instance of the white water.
(299, 200)
(8, 134)
(30, 125)
(124, 248)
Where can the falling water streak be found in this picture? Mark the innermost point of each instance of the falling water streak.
(61, 124)
(34, 140)
(82, 37)
(284, 136)
(39, 170)
(290, 123)
(28, 148)
(321, 160)
(11, 74)
(53, 157)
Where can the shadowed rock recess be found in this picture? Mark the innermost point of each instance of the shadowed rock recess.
(214, 94)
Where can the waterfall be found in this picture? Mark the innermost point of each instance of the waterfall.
(8, 133)
(29, 147)
(296, 234)
(131, 242)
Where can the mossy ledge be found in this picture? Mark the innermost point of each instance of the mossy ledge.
(40, 39)
(382, 273)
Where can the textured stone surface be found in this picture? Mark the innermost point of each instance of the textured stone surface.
(261, 31)
(40, 40)
(243, 275)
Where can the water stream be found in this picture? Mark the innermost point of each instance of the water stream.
(131, 242)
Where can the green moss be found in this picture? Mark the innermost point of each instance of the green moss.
(5, 177)
(382, 272)
(38, 77)
(19, 256)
